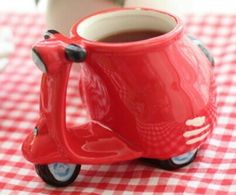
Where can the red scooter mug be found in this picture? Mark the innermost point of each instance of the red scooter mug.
(149, 89)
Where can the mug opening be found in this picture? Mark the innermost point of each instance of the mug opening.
(105, 24)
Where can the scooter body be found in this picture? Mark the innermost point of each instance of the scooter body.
(155, 101)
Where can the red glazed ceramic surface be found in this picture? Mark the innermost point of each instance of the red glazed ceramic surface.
(153, 98)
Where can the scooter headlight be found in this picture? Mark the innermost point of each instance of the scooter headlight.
(38, 61)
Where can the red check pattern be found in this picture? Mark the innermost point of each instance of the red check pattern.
(213, 172)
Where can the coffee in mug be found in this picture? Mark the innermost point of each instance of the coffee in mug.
(130, 36)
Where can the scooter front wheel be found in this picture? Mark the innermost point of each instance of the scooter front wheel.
(58, 174)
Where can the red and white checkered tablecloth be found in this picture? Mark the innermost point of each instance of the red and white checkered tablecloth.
(213, 171)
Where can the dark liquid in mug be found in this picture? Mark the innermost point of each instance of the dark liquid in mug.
(130, 36)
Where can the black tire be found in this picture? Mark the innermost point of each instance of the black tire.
(203, 49)
(47, 176)
(170, 164)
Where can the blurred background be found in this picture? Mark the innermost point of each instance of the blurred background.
(185, 6)
(61, 14)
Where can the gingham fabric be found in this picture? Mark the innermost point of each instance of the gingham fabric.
(213, 171)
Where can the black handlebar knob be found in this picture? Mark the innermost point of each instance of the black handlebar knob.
(75, 53)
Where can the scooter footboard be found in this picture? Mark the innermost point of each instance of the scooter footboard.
(94, 143)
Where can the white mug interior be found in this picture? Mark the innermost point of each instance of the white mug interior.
(105, 24)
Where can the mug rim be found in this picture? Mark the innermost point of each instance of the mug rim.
(162, 40)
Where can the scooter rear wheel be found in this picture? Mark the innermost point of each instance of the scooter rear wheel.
(58, 174)
(178, 161)
(175, 162)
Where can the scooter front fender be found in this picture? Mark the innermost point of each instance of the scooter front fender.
(42, 150)
(39, 147)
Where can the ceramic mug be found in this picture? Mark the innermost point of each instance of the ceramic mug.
(153, 98)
